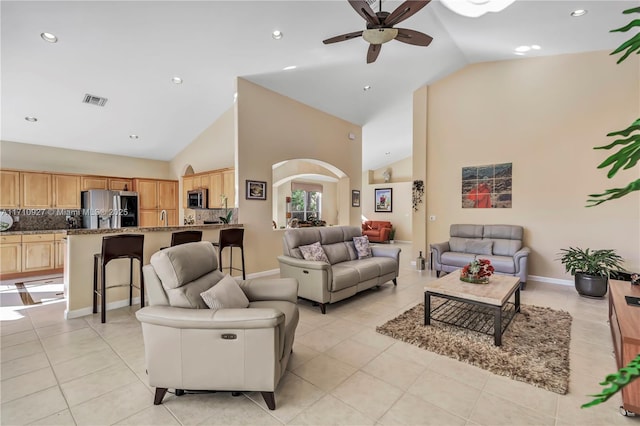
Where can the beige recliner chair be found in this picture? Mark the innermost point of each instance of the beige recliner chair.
(189, 346)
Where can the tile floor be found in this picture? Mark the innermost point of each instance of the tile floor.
(57, 372)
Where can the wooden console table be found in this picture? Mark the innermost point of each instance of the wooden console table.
(624, 320)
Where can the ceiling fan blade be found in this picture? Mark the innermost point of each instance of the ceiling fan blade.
(373, 52)
(364, 10)
(343, 37)
(413, 37)
(404, 11)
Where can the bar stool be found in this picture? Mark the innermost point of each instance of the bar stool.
(125, 246)
(184, 237)
(231, 237)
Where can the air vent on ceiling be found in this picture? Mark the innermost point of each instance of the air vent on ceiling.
(94, 100)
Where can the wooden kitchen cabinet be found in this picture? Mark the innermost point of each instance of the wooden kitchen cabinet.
(9, 189)
(216, 188)
(154, 196)
(187, 185)
(10, 254)
(36, 190)
(60, 244)
(229, 187)
(94, 182)
(118, 184)
(66, 191)
(38, 252)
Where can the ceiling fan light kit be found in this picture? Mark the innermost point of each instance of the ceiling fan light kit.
(379, 28)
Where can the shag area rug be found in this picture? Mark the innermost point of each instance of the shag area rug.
(535, 346)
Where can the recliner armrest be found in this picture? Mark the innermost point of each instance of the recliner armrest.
(270, 289)
(184, 318)
(301, 263)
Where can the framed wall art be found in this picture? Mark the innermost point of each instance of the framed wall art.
(256, 190)
(355, 198)
(383, 200)
(487, 187)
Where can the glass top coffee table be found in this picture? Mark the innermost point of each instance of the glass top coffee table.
(484, 308)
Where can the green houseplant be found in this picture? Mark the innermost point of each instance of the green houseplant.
(591, 269)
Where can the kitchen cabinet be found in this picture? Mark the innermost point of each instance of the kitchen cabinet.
(120, 184)
(38, 252)
(229, 186)
(36, 190)
(94, 182)
(9, 189)
(154, 196)
(66, 192)
(60, 245)
(216, 189)
(187, 185)
(10, 254)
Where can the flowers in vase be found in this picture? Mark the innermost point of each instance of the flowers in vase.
(479, 270)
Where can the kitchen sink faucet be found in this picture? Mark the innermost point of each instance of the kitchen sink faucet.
(164, 218)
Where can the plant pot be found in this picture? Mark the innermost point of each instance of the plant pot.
(591, 285)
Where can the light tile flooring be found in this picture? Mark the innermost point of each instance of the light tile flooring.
(57, 372)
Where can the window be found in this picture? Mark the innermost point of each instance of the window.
(306, 201)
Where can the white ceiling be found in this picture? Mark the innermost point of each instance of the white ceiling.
(128, 51)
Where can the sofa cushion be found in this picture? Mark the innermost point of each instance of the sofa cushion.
(188, 295)
(314, 252)
(478, 246)
(453, 258)
(176, 266)
(506, 247)
(344, 276)
(336, 253)
(362, 247)
(225, 294)
(457, 244)
(466, 231)
(503, 264)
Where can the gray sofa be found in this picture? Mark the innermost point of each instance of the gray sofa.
(501, 244)
(345, 274)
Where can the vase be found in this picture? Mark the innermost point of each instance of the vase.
(474, 280)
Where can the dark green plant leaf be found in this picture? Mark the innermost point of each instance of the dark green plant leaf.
(634, 23)
(626, 132)
(633, 44)
(591, 262)
(616, 381)
(632, 10)
(612, 194)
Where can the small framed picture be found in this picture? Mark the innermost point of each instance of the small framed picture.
(355, 198)
(256, 190)
(383, 200)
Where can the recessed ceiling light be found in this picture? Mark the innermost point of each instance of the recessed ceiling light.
(134, 137)
(522, 48)
(367, 87)
(535, 47)
(578, 12)
(49, 37)
(31, 119)
(518, 53)
(277, 35)
(176, 80)
(290, 67)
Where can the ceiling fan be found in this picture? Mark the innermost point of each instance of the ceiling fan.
(380, 26)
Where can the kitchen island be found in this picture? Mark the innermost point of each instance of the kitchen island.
(82, 244)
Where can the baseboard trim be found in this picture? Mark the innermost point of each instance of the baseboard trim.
(77, 313)
(549, 280)
(263, 273)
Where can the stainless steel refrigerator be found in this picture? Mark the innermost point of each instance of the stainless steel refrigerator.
(109, 209)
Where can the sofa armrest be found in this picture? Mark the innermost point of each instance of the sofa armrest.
(384, 234)
(184, 318)
(437, 250)
(392, 252)
(301, 263)
(523, 252)
(270, 289)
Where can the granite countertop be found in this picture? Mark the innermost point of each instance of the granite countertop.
(85, 231)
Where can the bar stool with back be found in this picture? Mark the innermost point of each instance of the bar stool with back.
(124, 246)
(184, 237)
(231, 237)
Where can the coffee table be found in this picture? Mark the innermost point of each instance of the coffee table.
(484, 308)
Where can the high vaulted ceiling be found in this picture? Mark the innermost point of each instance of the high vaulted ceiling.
(128, 51)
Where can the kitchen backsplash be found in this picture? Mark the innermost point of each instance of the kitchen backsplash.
(199, 216)
(44, 219)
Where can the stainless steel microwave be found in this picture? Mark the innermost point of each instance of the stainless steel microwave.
(197, 199)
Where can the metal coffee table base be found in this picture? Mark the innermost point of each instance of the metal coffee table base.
(472, 315)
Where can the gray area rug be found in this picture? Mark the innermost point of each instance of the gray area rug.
(535, 346)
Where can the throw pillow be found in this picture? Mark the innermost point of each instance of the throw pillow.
(362, 247)
(225, 294)
(479, 247)
(314, 252)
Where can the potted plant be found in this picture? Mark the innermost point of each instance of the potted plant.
(392, 235)
(591, 269)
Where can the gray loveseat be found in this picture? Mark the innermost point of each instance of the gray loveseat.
(501, 244)
(345, 274)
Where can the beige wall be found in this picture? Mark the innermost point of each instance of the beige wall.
(273, 128)
(544, 115)
(419, 166)
(401, 183)
(38, 157)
